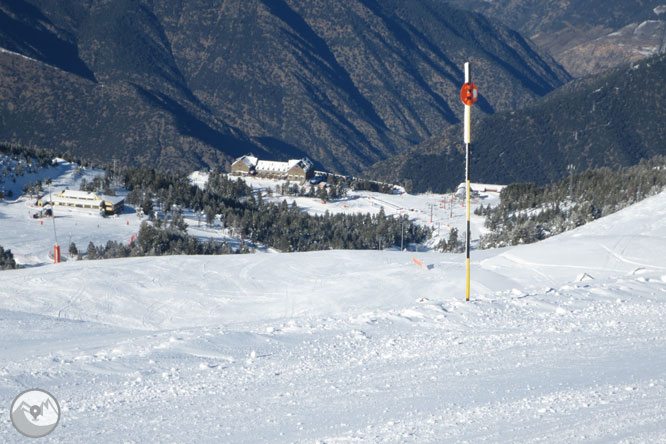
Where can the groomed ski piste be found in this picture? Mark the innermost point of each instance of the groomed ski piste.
(562, 342)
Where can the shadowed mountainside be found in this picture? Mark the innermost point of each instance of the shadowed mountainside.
(606, 120)
(185, 84)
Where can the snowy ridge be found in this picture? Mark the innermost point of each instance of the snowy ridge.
(6, 51)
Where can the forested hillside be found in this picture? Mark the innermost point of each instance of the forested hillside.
(612, 120)
(528, 213)
(184, 84)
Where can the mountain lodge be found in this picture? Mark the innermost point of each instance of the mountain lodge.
(293, 169)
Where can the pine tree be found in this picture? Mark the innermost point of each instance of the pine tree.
(91, 252)
(178, 221)
(322, 194)
(453, 243)
(147, 207)
(210, 215)
(7, 261)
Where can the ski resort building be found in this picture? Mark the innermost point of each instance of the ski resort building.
(294, 169)
(481, 187)
(84, 200)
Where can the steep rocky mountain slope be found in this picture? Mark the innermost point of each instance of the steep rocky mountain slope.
(181, 84)
(630, 43)
(585, 36)
(609, 120)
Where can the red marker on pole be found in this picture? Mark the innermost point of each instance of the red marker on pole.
(468, 93)
(56, 254)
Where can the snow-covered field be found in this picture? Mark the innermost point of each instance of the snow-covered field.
(562, 342)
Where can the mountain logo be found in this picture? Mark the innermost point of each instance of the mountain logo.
(35, 413)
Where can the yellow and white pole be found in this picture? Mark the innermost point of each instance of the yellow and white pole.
(468, 112)
(468, 94)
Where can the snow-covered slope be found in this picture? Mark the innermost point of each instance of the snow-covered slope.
(563, 341)
(629, 241)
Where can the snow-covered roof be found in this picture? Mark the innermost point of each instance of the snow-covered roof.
(305, 163)
(267, 165)
(482, 187)
(114, 200)
(283, 167)
(250, 161)
(74, 194)
(274, 166)
(64, 200)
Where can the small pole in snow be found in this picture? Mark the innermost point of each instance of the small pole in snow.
(56, 247)
(468, 95)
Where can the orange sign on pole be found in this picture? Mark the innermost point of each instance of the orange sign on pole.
(469, 94)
